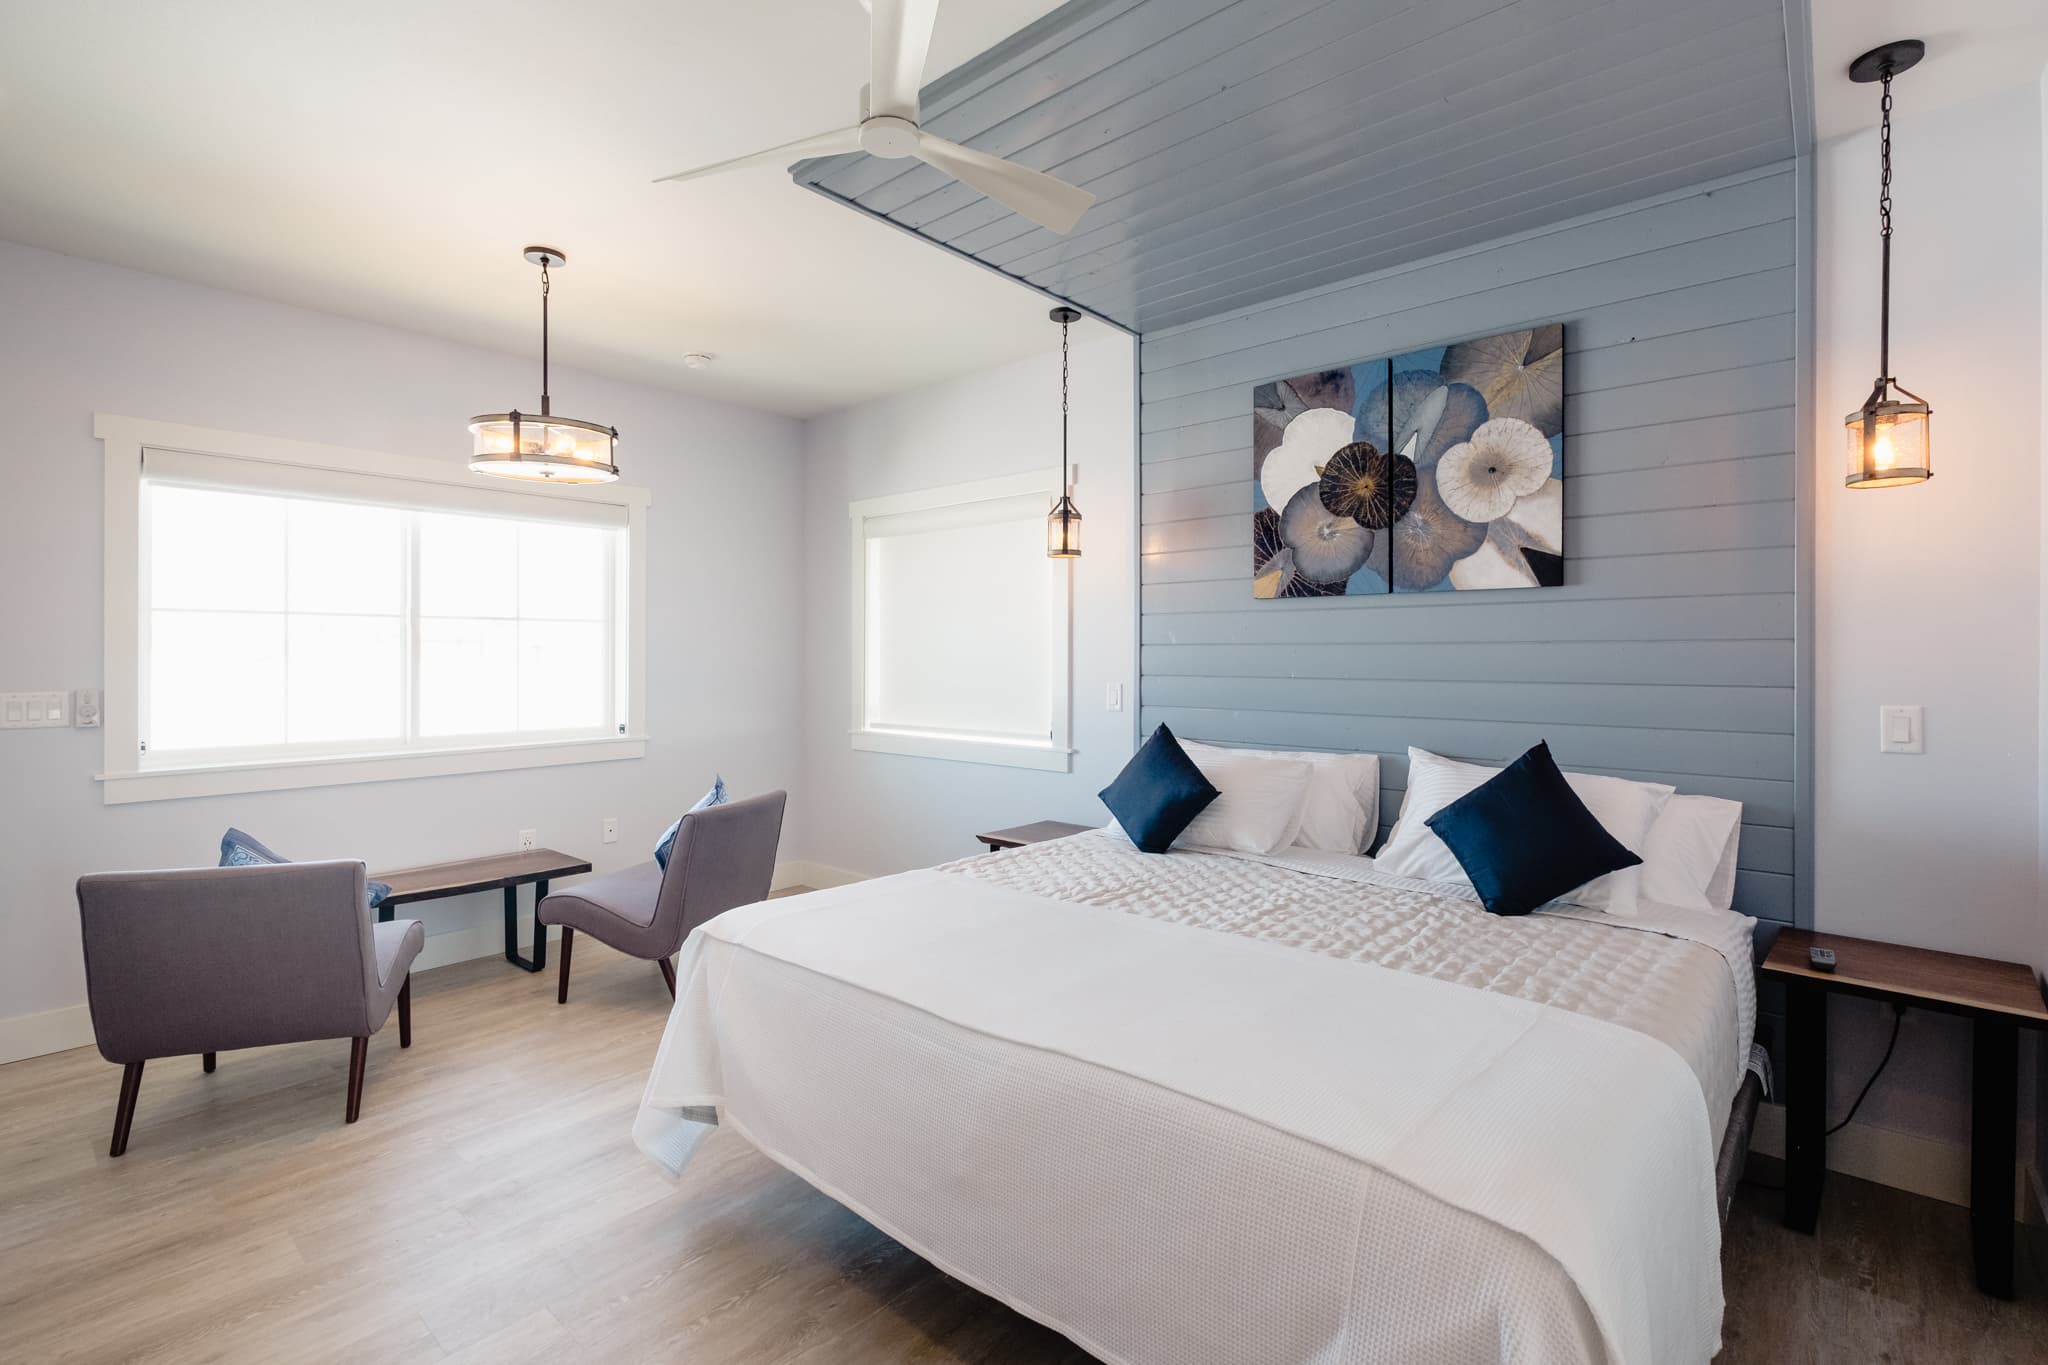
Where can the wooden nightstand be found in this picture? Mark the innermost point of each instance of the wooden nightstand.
(1035, 833)
(1999, 998)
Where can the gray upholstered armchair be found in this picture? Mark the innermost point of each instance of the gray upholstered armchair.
(723, 856)
(211, 959)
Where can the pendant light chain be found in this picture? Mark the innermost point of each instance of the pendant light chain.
(1884, 219)
(1064, 486)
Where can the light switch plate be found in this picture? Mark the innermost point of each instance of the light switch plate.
(1901, 730)
(34, 710)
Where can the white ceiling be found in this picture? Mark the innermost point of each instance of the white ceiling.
(387, 159)
(1973, 48)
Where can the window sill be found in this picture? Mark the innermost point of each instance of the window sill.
(224, 779)
(961, 749)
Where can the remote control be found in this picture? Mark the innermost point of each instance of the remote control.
(1821, 959)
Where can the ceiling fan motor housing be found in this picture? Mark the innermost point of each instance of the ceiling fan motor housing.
(886, 135)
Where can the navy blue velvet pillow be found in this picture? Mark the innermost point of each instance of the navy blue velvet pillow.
(1159, 792)
(1524, 837)
(240, 850)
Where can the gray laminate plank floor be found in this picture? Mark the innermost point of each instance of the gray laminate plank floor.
(489, 1208)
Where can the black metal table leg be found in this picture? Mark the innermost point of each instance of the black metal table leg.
(539, 960)
(1806, 1104)
(1994, 1102)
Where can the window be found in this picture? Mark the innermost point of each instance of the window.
(284, 618)
(961, 625)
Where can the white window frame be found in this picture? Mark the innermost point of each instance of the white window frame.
(126, 777)
(1056, 753)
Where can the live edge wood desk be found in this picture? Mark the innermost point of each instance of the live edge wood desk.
(1998, 998)
(507, 870)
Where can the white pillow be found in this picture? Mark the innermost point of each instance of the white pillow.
(1258, 802)
(1341, 812)
(1625, 809)
(1689, 858)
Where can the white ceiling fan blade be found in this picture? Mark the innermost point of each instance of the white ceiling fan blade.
(824, 144)
(899, 38)
(1045, 200)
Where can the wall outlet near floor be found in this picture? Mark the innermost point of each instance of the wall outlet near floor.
(529, 840)
(1901, 730)
(611, 829)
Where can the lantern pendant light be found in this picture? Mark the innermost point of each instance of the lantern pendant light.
(1888, 435)
(1063, 524)
(516, 445)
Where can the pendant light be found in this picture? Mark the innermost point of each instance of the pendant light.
(516, 445)
(1888, 435)
(1063, 524)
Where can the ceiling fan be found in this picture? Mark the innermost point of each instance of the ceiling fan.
(899, 36)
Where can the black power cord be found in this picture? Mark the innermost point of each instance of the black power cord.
(1898, 1017)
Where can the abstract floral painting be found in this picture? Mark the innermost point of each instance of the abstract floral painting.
(1441, 470)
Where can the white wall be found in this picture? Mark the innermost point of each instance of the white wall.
(878, 813)
(1934, 594)
(78, 337)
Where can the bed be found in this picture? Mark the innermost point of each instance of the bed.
(1223, 1108)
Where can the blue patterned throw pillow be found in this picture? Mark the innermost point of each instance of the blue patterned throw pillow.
(240, 850)
(714, 797)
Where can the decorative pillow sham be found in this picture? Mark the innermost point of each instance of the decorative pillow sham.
(1158, 793)
(1689, 857)
(666, 844)
(1258, 806)
(242, 850)
(1524, 838)
(1625, 809)
(1341, 811)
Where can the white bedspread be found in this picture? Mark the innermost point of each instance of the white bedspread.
(1186, 1147)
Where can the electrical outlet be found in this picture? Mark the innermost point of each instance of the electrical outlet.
(529, 840)
(85, 708)
(611, 829)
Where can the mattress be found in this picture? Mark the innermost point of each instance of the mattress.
(1681, 977)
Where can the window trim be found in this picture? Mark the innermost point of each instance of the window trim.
(1054, 755)
(123, 779)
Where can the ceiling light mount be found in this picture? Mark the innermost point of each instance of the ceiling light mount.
(1880, 63)
(547, 448)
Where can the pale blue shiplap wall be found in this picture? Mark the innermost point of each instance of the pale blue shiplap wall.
(1669, 652)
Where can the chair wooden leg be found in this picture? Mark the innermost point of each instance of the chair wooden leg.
(124, 1112)
(562, 983)
(358, 1061)
(206, 1060)
(405, 1012)
(668, 974)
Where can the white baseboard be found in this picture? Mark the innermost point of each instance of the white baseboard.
(1904, 1161)
(33, 1035)
(816, 876)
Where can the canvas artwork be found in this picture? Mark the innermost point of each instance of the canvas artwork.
(1441, 470)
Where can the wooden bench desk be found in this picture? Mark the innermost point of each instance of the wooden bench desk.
(507, 870)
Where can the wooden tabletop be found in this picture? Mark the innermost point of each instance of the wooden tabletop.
(478, 874)
(1977, 985)
(1037, 832)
